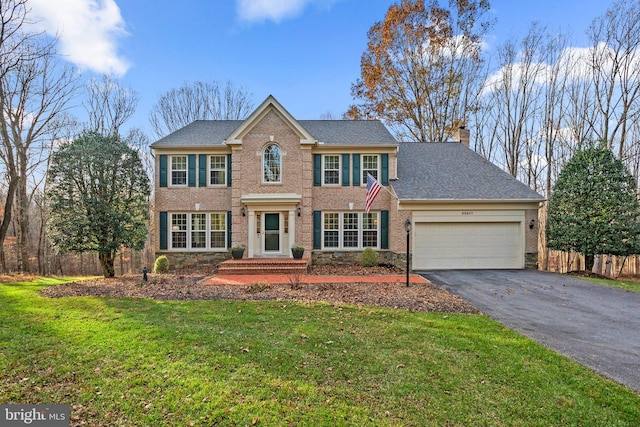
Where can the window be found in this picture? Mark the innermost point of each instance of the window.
(199, 230)
(350, 230)
(370, 230)
(217, 170)
(218, 230)
(369, 166)
(331, 230)
(272, 164)
(178, 170)
(331, 170)
(179, 231)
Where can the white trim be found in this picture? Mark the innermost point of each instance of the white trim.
(324, 169)
(171, 170)
(280, 163)
(341, 230)
(224, 171)
(189, 231)
(377, 176)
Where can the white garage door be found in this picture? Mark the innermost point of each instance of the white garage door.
(441, 246)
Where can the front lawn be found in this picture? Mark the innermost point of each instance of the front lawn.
(627, 283)
(125, 361)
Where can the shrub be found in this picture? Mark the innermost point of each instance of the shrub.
(369, 258)
(161, 265)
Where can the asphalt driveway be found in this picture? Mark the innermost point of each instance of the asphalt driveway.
(596, 325)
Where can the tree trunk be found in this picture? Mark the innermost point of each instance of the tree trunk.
(588, 262)
(6, 219)
(106, 262)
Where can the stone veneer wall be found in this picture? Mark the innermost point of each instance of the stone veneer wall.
(531, 261)
(191, 259)
(355, 257)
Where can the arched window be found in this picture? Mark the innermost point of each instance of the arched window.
(272, 164)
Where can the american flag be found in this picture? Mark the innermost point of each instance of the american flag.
(373, 188)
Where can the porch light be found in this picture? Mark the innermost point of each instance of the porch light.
(243, 212)
(298, 211)
(532, 224)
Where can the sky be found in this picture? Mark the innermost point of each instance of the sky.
(306, 53)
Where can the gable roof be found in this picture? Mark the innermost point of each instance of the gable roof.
(269, 104)
(449, 171)
(203, 133)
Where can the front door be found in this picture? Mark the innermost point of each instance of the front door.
(272, 232)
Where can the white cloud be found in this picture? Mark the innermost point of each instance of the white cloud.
(274, 10)
(88, 30)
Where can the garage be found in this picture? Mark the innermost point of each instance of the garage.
(467, 245)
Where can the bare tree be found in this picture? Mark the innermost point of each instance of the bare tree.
(34, 94)
(614, 60)
(199, 101)
(109, 104)
(513, 92)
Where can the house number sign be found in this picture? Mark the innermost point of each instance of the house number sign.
(467, 213)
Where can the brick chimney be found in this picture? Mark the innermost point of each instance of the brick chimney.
(462, 135)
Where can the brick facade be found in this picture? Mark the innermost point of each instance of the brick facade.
(296, 205)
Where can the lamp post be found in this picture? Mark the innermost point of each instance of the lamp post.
(407, 228)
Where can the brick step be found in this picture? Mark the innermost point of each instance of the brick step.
(263, 265)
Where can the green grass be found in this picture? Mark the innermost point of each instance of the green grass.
(630, 284)
(170, 363)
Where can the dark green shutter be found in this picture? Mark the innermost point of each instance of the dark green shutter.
(385, 169)
(317, 170)
(229, 229)
(228, 170)
(345, 170)
(317, 229)
(164, 228)
(202, 170)
(192, 170)
(163, 170)
(384, 229)
(356, 170)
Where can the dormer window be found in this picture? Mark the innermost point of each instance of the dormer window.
(272, 164)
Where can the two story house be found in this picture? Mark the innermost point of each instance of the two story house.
(272, 181)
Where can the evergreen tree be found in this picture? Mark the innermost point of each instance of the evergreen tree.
(98, 198)
(594, 207)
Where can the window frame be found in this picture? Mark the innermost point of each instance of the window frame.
(210, 169)
(325, 170)
(173, 170)
(182, 226)
(179, 228)
(265, 162)
(375, 172)
(343, 229)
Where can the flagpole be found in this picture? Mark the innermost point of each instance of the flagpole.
(386, 189)
(389, 191)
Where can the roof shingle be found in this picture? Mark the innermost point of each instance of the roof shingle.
(340, 132)
(451, 171)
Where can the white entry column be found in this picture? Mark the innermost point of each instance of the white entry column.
(252, 233)
(292, 230)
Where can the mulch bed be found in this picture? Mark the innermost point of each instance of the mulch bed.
(186, 285)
